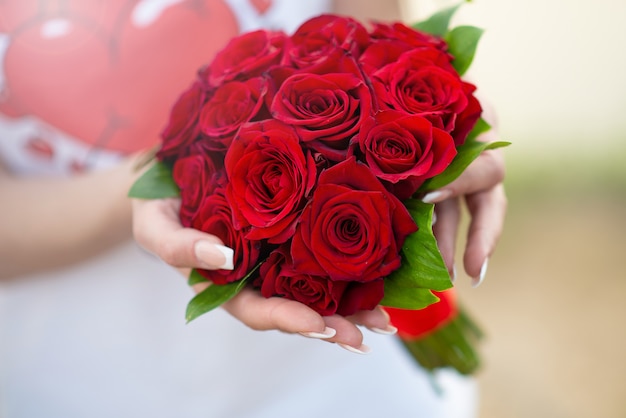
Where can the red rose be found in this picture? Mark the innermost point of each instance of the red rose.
(327, 297)
(423, 82)
(215, 217)
(401, 33)
(381, 53)
(353, 228)
(270, 178)
(466, 120)
(398, 146)
(230, 106)
(317, 292)
(245, 56)
(319, 40)
(391, 41)
(361, 297)
(193, 175)
(182, 127)
(325, 110)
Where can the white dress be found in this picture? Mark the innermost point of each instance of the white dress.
(107, 338)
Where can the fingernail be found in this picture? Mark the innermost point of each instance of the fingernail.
(390, 330)
(363, 349)
(214, 256)
(327, 333)
(476, 281)
(434, 220)
(453, 275)
(436, 196)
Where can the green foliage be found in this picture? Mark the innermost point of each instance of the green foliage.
(466, 153)
(462, 43)
(452, 345)
(481, 127)
(422, 269)
(196, 278)
(155, 183)
(214, 295)
(438, 23)
(211, 298)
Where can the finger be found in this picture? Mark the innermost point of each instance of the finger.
(262, 314)
(348, 336)
(483, 173)
(487, 210)
(376, 320)
(157, 228)
(285, 315)
(446, 230)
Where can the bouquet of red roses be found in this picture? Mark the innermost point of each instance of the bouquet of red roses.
(304, 153)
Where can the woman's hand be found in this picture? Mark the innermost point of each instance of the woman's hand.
(157, 228)
(481, 187)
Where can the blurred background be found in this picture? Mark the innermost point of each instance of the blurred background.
(552, 301)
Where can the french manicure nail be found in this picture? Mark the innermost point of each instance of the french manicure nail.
(327, 333)
(476, 281)
(453, 275)
(214, 256)
(436, 196)
(434, 219)
(228, 255)
(363, 349)
(390, 330)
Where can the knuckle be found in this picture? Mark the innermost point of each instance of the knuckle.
(270, 320)
(167, 251)
(257, 326)
(495, 160)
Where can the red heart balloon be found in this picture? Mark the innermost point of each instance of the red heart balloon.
(90, 70)
(261, 6)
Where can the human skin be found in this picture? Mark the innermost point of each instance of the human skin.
(48, 223)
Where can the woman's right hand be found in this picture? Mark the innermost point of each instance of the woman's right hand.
(157, 228)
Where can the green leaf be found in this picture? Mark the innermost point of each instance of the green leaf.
(196, 278)
(423, 259)
(408, 297)
(422, 269)
(215, 295)
(480, 128)
(454, 345)
(155, 183)
(466, 153)
(211, 298)
(462, 43)
(438, 23)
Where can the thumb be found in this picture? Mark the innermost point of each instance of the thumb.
(156, 227)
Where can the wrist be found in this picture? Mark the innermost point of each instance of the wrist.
(118, 181)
